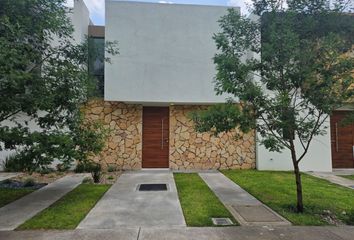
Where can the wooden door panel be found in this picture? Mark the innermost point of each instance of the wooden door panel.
(342, 141)
(155, 137)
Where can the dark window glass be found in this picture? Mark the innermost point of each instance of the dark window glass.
(96, 62)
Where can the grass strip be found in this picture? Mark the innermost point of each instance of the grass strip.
(199, 203)
(324, 203)
(351, 177)
(69, 211)
(8, 195)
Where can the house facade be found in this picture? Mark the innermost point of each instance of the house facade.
(163, 73)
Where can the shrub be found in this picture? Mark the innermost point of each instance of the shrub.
(87, 180)
(82, 167)
(29, 182)
(110, 177)
(63, 167)
(13, 163)
(45, 170)
(111, 168)
(95, 169)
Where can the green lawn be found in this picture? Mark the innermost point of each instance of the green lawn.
(322, 199)
(351, 177)
(199, 203)
(8, 195)
(68, 211)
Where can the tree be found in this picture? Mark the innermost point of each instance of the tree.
(298, 72)
(44, 79)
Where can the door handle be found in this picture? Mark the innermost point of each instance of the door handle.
(162, 134)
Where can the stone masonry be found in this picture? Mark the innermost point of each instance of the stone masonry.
(188, 149)
(124, 121)
(192, 150)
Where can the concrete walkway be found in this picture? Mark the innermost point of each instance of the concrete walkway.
(14, 214)
(7, 175)
(124, 206)
(244, 207)
(187, 233)
(335, 178)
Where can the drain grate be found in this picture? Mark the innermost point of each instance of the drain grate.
(153, 187)
(222, 221)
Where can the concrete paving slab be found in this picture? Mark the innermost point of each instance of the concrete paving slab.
(124, 206)
(121, 234)
(257, 213)
(7, 175)
(245, 233)
(14, 214)
(188, 233)
(246, 209)
(333, 178)
(227, 191)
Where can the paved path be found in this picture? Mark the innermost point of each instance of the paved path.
(187, 233)
(244, 207)
(7, 175)
(124, 206)
(334, 178)
(14, 214)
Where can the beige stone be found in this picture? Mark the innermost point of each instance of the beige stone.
(97, 110)
(203, 150)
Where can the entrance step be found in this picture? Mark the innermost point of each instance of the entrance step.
(245, 208)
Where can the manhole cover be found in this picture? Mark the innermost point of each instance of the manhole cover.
(222, 221)
(153, 187)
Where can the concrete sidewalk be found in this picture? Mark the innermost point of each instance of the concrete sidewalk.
(14, 214)
(124, 206)
(188, 233)
(334, 178)
(246, 209)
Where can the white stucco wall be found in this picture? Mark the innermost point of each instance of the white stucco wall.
(318, 158)
(166, 52)
(80, 19)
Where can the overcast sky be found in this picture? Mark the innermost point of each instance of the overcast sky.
(96, 7)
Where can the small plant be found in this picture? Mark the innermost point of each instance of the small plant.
(87, 180)
(110, 177)
(112, 168)
(45, 170)
(29, 182)
(13, 163)
(96, 172)
(63, 167)
(82, 167)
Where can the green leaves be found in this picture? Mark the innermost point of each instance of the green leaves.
(44, 80)
(288, 69)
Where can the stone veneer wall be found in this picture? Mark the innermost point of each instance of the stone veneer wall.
(188, 149)
(124, 145)
(192, 150)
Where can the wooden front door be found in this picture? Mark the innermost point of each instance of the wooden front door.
(155, 137)
(342, 141)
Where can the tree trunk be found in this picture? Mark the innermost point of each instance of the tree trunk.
(299, 204)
